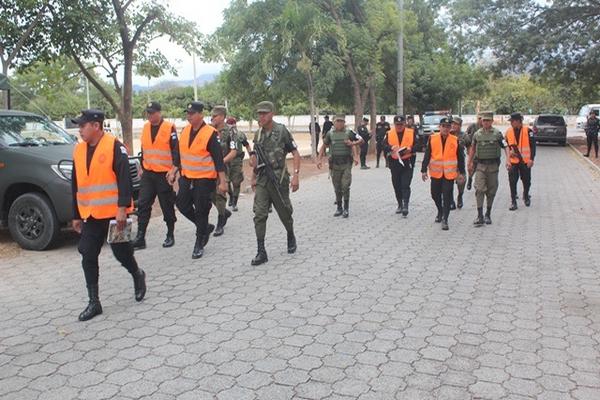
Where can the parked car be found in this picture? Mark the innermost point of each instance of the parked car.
(35, 178)
(584, 112)
(430, 125)
(550, 128)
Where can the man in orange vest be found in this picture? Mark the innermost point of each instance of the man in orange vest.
(102, 191)
(160, 154)
(398, 145)
(445, 158)
(201, 166)
(521, 145)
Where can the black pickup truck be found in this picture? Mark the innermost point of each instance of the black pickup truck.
(35, 178)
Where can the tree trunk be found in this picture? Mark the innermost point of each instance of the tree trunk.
(373, 110)
(313, 111)
(5, 92)
(127, 103)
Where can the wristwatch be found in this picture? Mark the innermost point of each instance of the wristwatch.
(296, 171)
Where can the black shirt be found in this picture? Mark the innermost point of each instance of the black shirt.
(173, 142)
(327, 125)
(120, 167)
(381, 129)
(213, 146)
(460, 156)
(317, 128)
(592, 127)
(531, 140)
(363, 131)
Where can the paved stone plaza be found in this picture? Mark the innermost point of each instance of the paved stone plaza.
(373, 307)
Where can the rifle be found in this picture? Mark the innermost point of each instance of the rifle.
(516, 152)
(264, 166)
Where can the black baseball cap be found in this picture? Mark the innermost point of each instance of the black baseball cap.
(516, 117)
(194, 107)
(152, 107)
(91, 115)
(399, 119)
(445, 121)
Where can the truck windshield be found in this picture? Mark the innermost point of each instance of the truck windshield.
(432, 119)
(31, 130)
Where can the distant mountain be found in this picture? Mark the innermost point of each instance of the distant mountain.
(201, 80)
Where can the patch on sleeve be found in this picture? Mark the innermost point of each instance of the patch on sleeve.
(173, 135)
(294, 144)
(232, 145)
(123, 150)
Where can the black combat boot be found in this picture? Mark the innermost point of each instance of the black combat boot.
(479, 220)
(139, 243)
(513, 205)
(526, 199)
(291, 243)
(206, 236)
(261, 254)
(399, 209)
(346, 213)
(222, 220)
(404, 208)
(445, 224)
(230, 202)
(459, 201)
(198, 248)
(170, 239)
(452, 205)
(139, 284)
(488, 216)
(94, 307)
(234, 201)
(339, 210)
(469, 183)
(438, 217)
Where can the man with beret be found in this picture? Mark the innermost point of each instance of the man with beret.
(201, 168)
(365, 135)
(471, 129)
(521, 146)
(455, 129)
(229, 151)
(486, 147)
(342, 153)
(381, 129)
(274, 142)
(102, 191)
(398, 144)
(160, 155)
(235, 172)
(445, 158)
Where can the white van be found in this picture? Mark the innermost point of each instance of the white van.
(584, 112)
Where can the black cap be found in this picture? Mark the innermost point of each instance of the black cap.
(365, 119)
(516, 117)
(194, 107)
(327, 117)
(446, 121)
(399, 119)
(91, 115)
(152, 107)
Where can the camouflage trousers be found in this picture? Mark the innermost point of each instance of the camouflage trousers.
(265, 195)
(486, 183)
(235, 174)
(341, 177)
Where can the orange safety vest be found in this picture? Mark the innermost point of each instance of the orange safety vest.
(444, 161)
(196, 161)
(97, 190)
(408, 140)
(523, 144)
(157, 154)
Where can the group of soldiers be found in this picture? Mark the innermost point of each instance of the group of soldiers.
(202, 165)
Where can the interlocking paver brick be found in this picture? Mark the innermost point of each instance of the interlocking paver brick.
(379, 321)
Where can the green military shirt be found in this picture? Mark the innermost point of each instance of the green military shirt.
(276, 144)
(227, 140)
(488, 142)
(240, 140)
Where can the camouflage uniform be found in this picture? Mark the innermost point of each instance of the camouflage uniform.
(218, 199)
(340, 165)
(235, 172)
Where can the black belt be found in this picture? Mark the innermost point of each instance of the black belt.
(488, 161)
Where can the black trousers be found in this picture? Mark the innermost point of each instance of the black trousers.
(592, 140)
(194, 201)
(441, 193)
(379, 148)
(401, 179)
(364, 148)
(519, 171)
(93, 237)
(155, 184)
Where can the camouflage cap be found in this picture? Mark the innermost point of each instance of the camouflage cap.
(219, 110)
(340, 117)
(265, 107)
(457, 120)
(486, 115)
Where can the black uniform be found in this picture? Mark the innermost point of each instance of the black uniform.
(592, 127)
(155, 183)
(521, 170)
(194, 198)
(317, 133)
(327, 125)
(380, 131)
(442, 188)
(363, 132)
(402, 174)
(94, 231)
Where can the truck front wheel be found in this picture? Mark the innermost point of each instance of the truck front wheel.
(32, 221)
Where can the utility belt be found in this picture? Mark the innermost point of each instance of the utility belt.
(488, 161)
(340, 160)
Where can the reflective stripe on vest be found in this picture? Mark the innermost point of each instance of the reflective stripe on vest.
(157, 155)
(408, 140)
(196, 161)
(444, 161)
(97, 190)
(523, 145)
